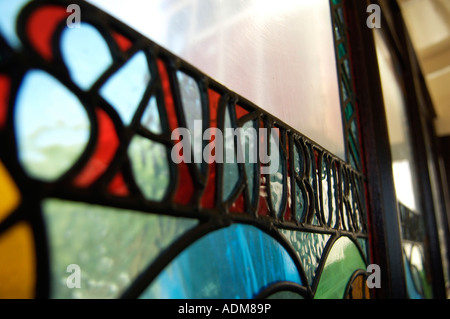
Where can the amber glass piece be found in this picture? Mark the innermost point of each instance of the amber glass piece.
(358, 289)
(17, 263)
(9, 193)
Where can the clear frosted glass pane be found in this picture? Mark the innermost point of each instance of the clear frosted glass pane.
(249, 140)
(309, 248)
(276, 180)
(151, 119)
(111, 246)
(150, 167)
(125, 89)
(278, 54)
(85, 53)
(230, 167)
(236, 262)
(52, 127)
(192, 107)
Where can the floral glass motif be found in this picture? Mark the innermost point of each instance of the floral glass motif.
(86, 153)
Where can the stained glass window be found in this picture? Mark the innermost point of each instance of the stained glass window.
(89, 176)
(412, 220)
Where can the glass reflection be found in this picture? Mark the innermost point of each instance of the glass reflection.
(398, 126)
(278, 54)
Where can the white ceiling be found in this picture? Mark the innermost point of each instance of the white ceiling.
(428, 23)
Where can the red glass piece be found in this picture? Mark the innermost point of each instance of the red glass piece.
(122, 41)
(240, 111)
(168, 98)
(185, 186)
(238, 206)
(117, 186)
(41, 26)
(263, 208)
(214, 98)
(107, 145)
(209, 196)
(5, 85)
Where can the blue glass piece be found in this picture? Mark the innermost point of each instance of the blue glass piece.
(235, 262)
(111, 246)
(410, 283)
(150, 167)
(309, 248)
(9, 11)
(85, 53)
(125, 89)
(51, 125)
(230, 167)
(151, 119)
(192, 107)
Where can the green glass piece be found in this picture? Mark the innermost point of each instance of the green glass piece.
(342, 50)
(342, 261)
(111, 246)
(349, 110)
(150, 167)
(309, 248)
(52, 126)
(151, 119)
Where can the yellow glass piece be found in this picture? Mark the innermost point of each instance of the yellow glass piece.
(17, 263)
(9, 193)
